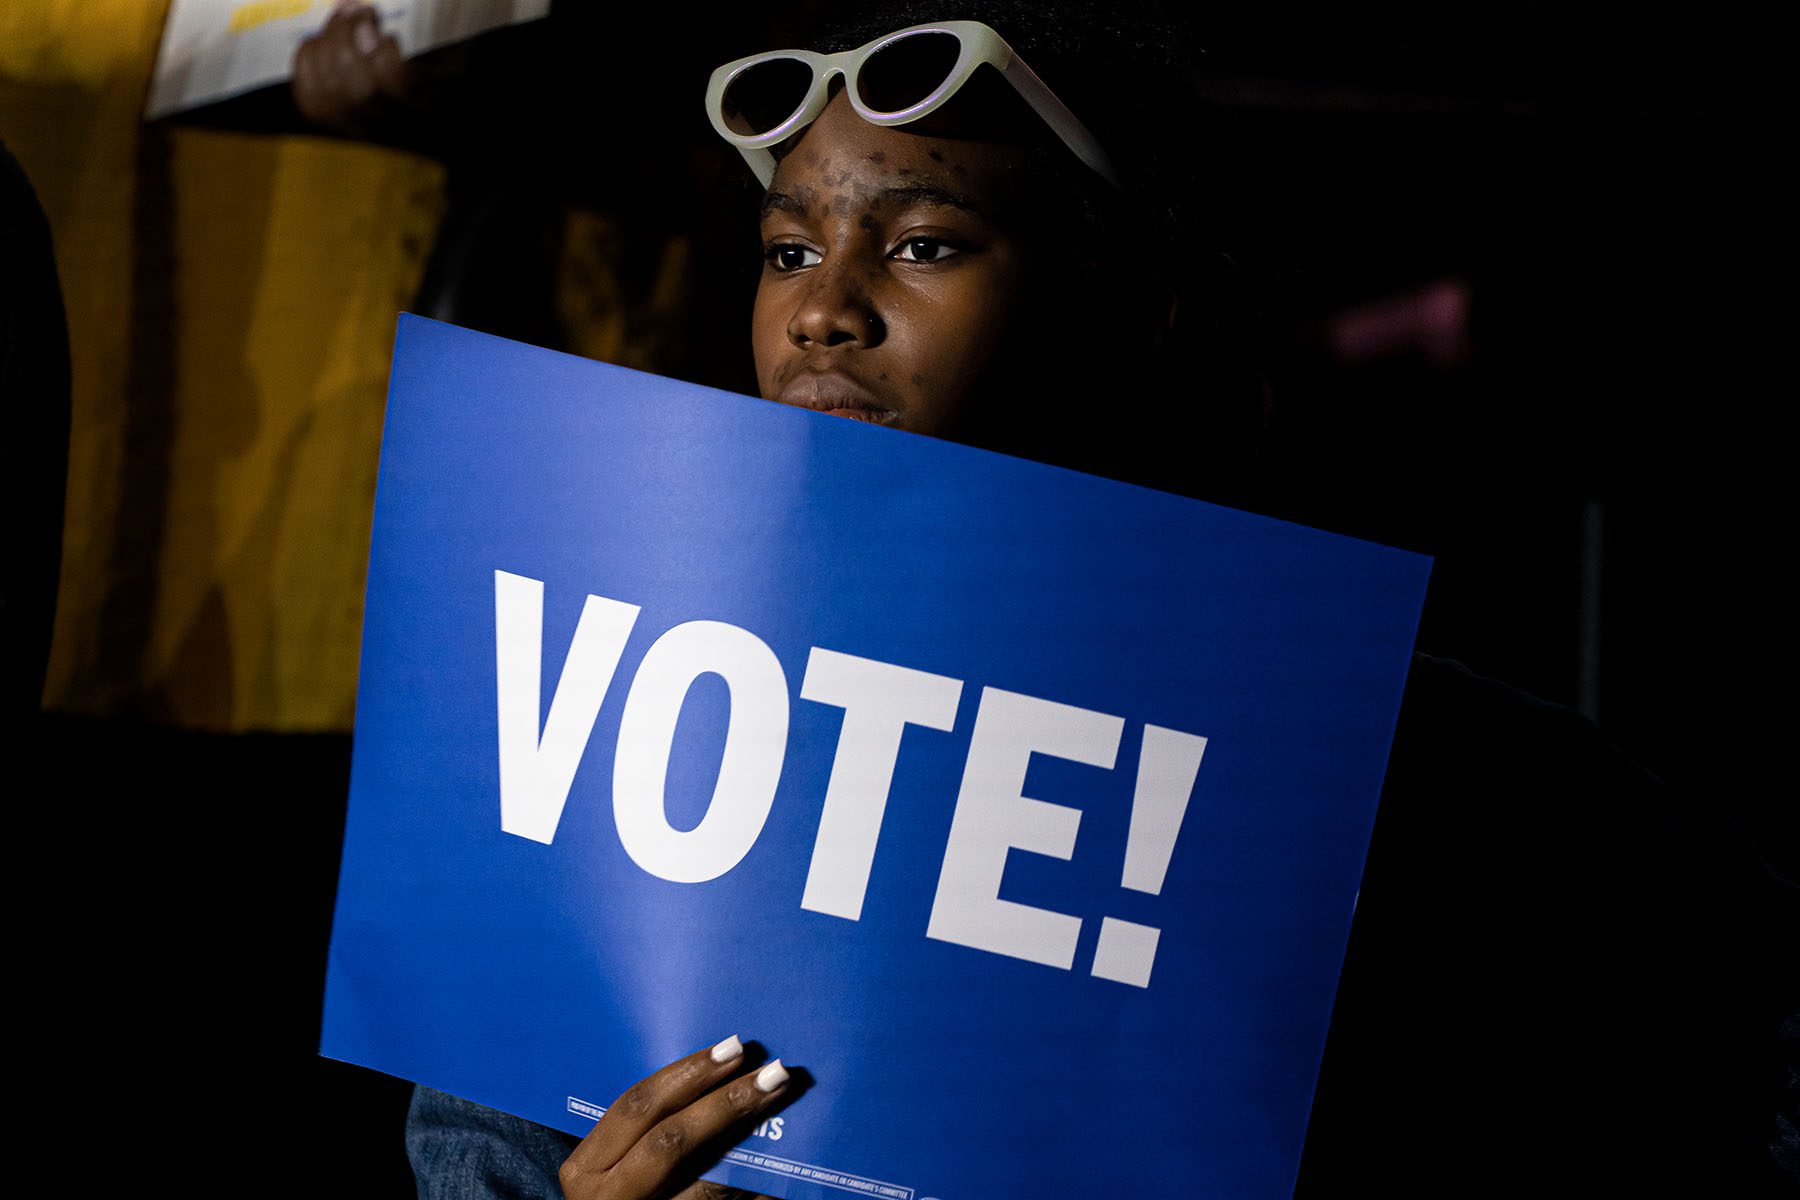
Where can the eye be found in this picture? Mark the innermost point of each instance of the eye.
(925, 250)
(791, 256)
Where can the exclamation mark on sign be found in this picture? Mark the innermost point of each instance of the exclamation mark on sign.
(1167, 768)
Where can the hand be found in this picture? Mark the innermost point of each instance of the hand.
(670, 1126)
(350, 77)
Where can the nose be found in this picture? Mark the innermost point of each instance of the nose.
(835, 312)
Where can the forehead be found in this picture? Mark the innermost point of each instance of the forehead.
(842, 161)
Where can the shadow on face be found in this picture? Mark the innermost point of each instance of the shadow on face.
(917, 276)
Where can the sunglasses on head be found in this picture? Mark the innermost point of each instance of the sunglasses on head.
(757, 102)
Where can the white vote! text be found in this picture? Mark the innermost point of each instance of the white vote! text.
(539, 756)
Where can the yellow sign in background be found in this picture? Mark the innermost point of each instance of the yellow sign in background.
(231, 304)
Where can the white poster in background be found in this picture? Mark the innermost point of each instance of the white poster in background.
(212, 49)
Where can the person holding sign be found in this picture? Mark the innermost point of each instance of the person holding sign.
(947, 247)
(915, 272)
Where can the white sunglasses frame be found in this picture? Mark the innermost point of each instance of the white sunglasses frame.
(979, 44)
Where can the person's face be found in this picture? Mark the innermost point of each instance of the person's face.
(896, 282)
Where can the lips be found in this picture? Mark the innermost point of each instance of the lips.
(839, 395)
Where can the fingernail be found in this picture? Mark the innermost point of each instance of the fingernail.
(366, 37)
(728, 1049)
(771, 1077)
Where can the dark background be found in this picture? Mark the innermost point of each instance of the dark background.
(1592, 451)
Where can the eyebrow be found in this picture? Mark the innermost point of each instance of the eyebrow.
(776, 202)
(899, 197)
(924, 193)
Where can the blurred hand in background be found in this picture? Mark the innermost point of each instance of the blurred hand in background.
(352, 79)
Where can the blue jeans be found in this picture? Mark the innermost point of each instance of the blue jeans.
(462, 1151)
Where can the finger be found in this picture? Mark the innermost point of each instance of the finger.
(366, 33)
(353, 79)
(306, 70)
(654, 1097)
(673, 1147)
(344, 52)
(339, 26)
(316, 91)
(389, 67)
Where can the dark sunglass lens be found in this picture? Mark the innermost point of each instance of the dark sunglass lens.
(902, 73)
(764, 95)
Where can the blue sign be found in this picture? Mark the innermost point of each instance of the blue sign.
(1025, 809)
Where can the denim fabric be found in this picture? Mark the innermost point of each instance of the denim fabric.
(462, 1151)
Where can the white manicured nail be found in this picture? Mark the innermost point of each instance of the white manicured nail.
(728, 1049)
(771, 1077)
